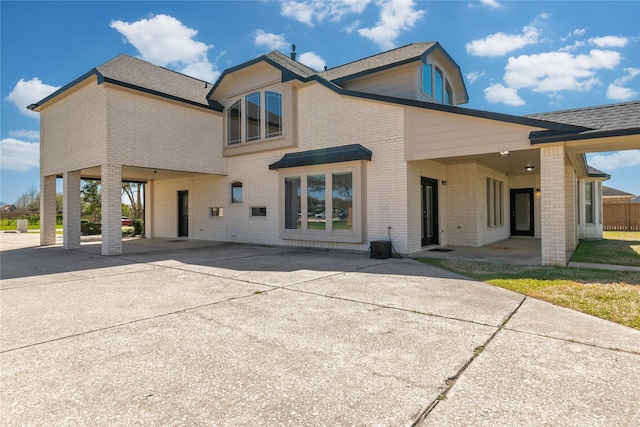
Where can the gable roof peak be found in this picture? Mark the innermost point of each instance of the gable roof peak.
(406, 53)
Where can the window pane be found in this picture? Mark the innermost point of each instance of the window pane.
(316, 202)
(292, 206)
(252, 111)
(260, 211)
(342, 200)
(234, 123)
(500, 189)
(273, 114)
(438, 86)
(426, 79)
(236, 192)
(588, 202)
(488, 202)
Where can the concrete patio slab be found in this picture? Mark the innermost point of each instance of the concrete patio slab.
(542, 318)
(210, 334)
(523, 379)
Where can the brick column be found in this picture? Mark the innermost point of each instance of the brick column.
(148, 209)
(111, 209)
(553, 203)
(47, 210)
(71, 209)
(571, 209)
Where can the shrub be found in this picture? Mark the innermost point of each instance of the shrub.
(90, 228)
(137, 226)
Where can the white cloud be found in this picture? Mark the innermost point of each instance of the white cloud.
(352, 27)
(615, 160)
(492, 4)
(619, 93)
(396, 16)
(300, 11)
(609, 41)
(28, 92)
(474, 75)
(557, 71)
(270, 41)
(498, 93)
(574, 33)
(576, 44)
(312, 60)
(163, 40)
(310, 11)
(19, 155)
(23, 133)
(500, 44)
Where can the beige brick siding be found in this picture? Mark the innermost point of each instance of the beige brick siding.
(570, 208)
(148, 131)
(71, 209)
(111, 209)
(47, 210)
(73, 131)
(553, 233)
(325, 119)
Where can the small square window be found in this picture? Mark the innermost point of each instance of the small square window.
(259, 211)
(216, 212)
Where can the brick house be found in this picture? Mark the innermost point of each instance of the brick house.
(276, 153)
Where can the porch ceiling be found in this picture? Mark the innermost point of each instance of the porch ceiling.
(514, 163)
(132, 173)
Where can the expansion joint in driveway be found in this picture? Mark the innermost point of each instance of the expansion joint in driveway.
(451, 381)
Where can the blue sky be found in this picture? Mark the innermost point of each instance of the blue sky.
(518, 57)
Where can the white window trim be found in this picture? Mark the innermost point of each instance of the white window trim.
(357, 234)
(445, 81)
(243, 115)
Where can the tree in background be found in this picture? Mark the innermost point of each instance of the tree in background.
(92, 198)
(133, 190)
(29, 200)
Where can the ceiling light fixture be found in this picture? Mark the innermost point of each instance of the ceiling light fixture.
(504, 153)
(529, 168)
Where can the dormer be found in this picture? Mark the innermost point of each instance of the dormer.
(259, 101)
(419, 71)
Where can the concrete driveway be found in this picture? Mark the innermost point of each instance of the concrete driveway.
(196, 333)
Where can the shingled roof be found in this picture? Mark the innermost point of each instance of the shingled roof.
(406, 53)
(601, 118)
(134, 73)
(614, 192)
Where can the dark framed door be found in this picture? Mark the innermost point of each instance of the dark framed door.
(183, 213)
(429, 191)
(522, 212)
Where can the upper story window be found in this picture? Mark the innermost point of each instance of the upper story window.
(436, 85)
(256, 116)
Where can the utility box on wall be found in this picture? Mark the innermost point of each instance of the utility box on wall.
(380, 249)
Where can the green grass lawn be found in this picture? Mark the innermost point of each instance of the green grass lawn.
(11, 224)
(617, 247)
(611, 295)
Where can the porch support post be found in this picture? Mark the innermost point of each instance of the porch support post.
(47, 210)
(71, 210)
(571, 208)
(111, 209)
(148, 208)
(553, 203)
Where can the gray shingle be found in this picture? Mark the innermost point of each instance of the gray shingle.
(136, 72)
(384, 59)
(291, 65)
(600, 118)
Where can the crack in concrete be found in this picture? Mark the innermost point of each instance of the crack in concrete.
(451, 381)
